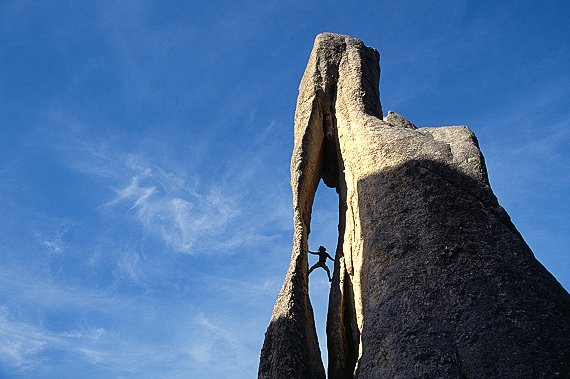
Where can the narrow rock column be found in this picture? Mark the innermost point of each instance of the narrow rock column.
(290, 349)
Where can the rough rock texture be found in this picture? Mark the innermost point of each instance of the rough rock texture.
(431, 279)
(398, 120)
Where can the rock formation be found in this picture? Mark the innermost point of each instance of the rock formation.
(432, 279)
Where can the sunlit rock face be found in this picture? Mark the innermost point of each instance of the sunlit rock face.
(432, 279)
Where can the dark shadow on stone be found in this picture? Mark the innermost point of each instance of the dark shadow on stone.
(452, 290)
(343, 335)
(286, 353)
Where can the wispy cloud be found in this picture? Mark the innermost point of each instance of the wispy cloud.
(193, 343)
(18, 341)
(190, 213)
(247, 290)
(24, 346)
(53, 240)
(130, 266)
(181, 217)
(129, 304)
(223, 345)
(28, 344)
(22, 343)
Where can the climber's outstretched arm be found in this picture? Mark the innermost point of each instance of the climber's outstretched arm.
(331, 258)
(312, 252)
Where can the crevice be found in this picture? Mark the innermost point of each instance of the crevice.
(342, 332)
(330, 151)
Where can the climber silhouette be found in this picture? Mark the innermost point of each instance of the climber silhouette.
(323, 255)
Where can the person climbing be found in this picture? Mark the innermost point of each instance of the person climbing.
(323, 255)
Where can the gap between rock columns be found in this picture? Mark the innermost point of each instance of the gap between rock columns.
(291, 349)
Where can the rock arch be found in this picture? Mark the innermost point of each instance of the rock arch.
(432, 278)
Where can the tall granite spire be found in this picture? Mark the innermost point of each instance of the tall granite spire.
(432, 279)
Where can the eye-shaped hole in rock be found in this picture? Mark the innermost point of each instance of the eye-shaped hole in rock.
(324, 231)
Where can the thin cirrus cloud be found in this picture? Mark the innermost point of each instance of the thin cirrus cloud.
(178, 339)
(26, 344)
(180, 221)
(27, 347)
(189, 213)
(23, 345)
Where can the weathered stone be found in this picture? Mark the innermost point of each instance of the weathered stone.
(431, 279)
(398, 120)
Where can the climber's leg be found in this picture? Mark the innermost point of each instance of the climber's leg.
(328, 272)
(313, 267)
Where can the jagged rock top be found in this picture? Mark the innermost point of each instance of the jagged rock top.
(398, 120)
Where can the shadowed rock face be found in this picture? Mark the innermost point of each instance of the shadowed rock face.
(431, 279)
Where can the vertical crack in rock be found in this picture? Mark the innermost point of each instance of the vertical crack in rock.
(432, 279)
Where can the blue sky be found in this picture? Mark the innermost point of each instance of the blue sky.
(144, 163)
